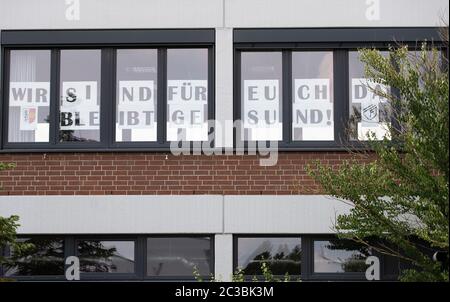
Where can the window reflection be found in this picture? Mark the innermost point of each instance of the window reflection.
(178, 256)
(106, 256)
(261, 97)
(43, 257)
(136, 100)
(29, 96)
(370, 114)
(187, 94)
(282, 255)
(339, 256)
(79, 118)
(312, 84)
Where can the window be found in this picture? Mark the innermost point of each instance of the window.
(287, 96)
(105, 256)
(261, 98)
(80, 96)
(312, 102)
(370, 114)
(339, 256)
(113, 257)
(29, 96)
(44, 257)
(136, 99)
(135, 89)
(187, 94)
(283, 255)
(179, 257)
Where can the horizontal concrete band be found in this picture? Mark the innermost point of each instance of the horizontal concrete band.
(57, 14)
(181, 214)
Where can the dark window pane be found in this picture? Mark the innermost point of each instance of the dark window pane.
(43, 257)
(312, 84)
(136, 97)
(80, 95)
(29, 96)
(178, 256)
(104, 256)
(339, 256)
(187, 94)
(283, 255)
(261, 97)
(369, 113)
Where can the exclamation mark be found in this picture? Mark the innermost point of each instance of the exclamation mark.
(329, 117)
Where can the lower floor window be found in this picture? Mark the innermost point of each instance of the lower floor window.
(340, 256)
(282, 255)
(189, 257)
(131, 257)
(178, 256)
(40, 256)
(106, 256)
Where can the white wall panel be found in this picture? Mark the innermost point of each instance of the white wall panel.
(334, 13)
(282, 214)
(174, 214)
(115, 214)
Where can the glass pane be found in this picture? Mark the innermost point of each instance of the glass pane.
(178, 256)
(261, 97)
(29, 96)
(312, 103)
(187, 94)
(283, 255)
(369, 113)
(106, 256)
(136, 95)
(44, 257)
(339, 256)
(80, 95)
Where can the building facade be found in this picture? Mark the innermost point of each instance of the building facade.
(95, 93)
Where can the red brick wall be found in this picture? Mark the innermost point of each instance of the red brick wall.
(152, 173)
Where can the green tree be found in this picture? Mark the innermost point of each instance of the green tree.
(8, 228)
(399, 189)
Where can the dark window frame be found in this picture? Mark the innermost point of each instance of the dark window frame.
(37, 277)
(181, 278)
(140, 250)
(338, 40)
(108, 41)
(260, 277)
(351, 276)
(307, 262)
(104, 276)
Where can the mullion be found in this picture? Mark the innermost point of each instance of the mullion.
(107, 97)
(55, 99)
(287, 96)
(161, 102)
(341, 95)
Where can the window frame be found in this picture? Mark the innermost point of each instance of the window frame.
(108, 42)
(338, 40)
(236, 238)
(307, 259)
(38, 277)
(112, 276)
(180, 278)
(350, 276)
(140, 261)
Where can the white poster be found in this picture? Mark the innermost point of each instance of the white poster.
(29, 94)
(312, 105)
(262, 109)
(136, 105)
(370, 102)
(79, 106)
(186, 109)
